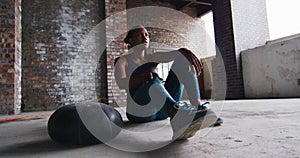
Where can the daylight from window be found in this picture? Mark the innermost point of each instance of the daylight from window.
(282, 18)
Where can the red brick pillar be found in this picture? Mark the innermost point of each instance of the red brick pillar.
(115, 47)
(10, 57)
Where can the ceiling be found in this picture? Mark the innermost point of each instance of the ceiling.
(202, 6)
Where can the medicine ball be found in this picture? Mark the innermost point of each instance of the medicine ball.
(84, 123)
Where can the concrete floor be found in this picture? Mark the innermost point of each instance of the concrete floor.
(252, 128)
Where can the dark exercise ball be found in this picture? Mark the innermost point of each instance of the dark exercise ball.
(84, 124)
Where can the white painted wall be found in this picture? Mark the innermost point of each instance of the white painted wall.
(273, 70)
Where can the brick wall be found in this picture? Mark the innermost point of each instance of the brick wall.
(10, 57)
(116, 26)
(53, 32)
(171, 28)
(224, 37)
(239, 25)
(250, 26)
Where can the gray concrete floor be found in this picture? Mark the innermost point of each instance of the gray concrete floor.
(252, 128)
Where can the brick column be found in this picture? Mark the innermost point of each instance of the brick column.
(115, 47)
(239, 25)
(10, 57)
(225, 41)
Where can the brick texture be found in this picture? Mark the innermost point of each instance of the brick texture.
(239, 25)
(250, 23)
(225, 42)
(60, 68)
(10, 56)
(53, 32)
(116, 26)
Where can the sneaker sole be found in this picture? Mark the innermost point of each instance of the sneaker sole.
(202, 123)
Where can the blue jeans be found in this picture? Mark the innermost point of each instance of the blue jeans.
(180, 76)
